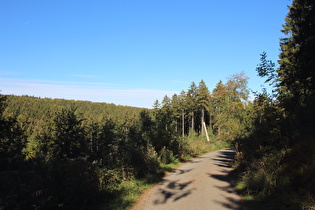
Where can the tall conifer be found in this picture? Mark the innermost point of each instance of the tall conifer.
(203, 95)
(296, 73)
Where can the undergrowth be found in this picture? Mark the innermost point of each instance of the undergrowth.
(278, 181)
(127, 192)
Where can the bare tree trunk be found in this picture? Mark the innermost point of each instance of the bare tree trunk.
(183, 123)
(205, 129)
(210, 122)
(192, 120)
(202, 119)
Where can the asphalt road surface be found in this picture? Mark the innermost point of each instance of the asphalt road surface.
(202, 183)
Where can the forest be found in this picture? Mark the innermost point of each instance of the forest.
(67, 153)
(276, 160)
(57, 153)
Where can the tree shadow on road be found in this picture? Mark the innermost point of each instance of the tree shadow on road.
(225, 161)
(181, 171)
(232, 203)
(196, 160)
(173, 190)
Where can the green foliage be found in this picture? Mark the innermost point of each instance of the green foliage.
(114, 145)
(57, 153)
(230, 107)
(151, 159)
(73, 156)
(110, 178)
(167, 156)
(263, 178)
(68, 135)
(12, 140)
(266, 68)
(277, 155)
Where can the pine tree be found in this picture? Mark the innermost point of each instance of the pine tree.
(182, 108)
(296, 73)
(166, 111)
(176, 107)
(283, 135)
(203, 95)
(68, 138)
(192, 102)
(12, 140)
(156, 105)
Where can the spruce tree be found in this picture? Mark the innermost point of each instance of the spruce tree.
(182, 108)
(12, 140)
(283, 137)
(203, 95)
(297, 66)
(69, 137)
(192, 102)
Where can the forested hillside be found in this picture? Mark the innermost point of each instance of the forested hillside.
(61, 153)
(37, 116)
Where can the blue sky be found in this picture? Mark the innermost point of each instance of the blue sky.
(132, 52)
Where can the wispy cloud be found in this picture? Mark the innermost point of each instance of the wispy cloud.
(96, 92)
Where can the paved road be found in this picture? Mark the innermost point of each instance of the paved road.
(202, 183)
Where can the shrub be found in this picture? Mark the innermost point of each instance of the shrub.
(151, 159)
(167, 156)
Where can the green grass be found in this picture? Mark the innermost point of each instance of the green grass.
(169, 167)
(268, 183)
(241, 189)
(129, 191)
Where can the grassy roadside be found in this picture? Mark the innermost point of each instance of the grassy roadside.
(280, 199)
(272, 183)
(129, 191)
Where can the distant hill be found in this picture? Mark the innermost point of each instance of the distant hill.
(36, 107)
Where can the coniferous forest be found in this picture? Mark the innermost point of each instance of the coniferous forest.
(57, 153)
(73, 154)
(277, 158)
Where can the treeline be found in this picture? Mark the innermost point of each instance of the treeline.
(57, 153)
(224, 111)
(277, 158)
(37, 117)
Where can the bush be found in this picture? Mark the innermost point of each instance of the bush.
(108, 178)
(167, 156)
(151, 159)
